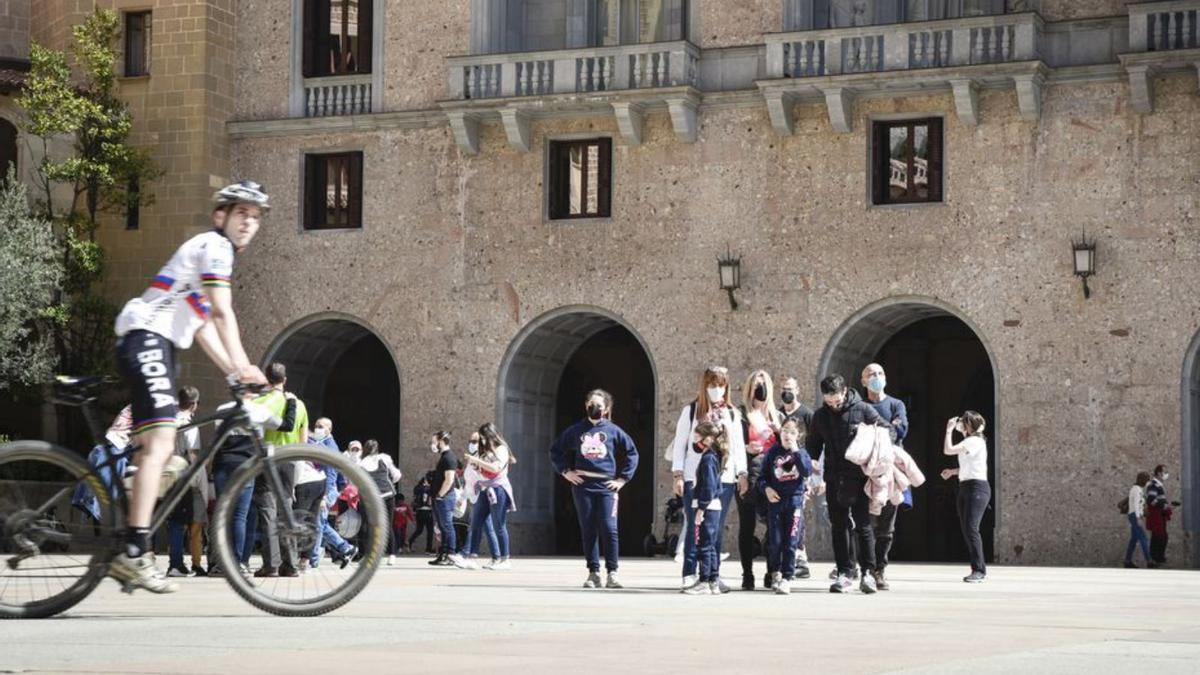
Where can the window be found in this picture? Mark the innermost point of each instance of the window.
(8, 148)
(333, 191)
(133, 205)
(580, 179)
(137, 44)
(337, 37)
(906, 161)
(820, 14)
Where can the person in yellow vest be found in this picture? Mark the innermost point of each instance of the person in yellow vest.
(280, 557)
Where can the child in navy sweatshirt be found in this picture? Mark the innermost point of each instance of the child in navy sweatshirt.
(784, 469)
(710, 443)
(597, 458)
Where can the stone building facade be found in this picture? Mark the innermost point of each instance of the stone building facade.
(458, 299)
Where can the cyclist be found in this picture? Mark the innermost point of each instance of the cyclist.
(189, 298)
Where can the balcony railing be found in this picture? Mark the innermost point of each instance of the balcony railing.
(594, 69)
(1164, 26)
(907, 46)
(340, 95)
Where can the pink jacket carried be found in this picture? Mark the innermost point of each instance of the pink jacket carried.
(889, 469)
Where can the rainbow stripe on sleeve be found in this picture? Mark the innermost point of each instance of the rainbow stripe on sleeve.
(162, 282)
(211, 280)
(155, 423)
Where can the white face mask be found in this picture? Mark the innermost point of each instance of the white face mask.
(433, 447)
(472, 448)
(716, 394)
(1165, 476)
(320, 434)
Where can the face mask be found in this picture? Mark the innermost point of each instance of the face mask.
(472, 448)
(760, 392)
(595, 412)
(320, 434)
(1166, 475)
(876, 383)
(433, 447)
(716, 394)
(788, 397)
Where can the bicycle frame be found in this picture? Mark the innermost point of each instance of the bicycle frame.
(166, 505)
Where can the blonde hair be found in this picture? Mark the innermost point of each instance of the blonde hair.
(713, 375)
(773, 415)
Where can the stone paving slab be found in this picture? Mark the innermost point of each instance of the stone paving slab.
(536, 618)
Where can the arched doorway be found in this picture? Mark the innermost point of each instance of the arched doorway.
(548, 369)
(1189, 469)
(8, 149)
(938, 364)
(342, 370)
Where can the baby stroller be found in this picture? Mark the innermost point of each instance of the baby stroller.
(672, 517)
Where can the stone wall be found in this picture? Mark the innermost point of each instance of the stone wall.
(455, 259)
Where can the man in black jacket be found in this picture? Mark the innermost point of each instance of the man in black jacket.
(833, 427)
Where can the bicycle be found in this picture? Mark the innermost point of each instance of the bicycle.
(52, 565)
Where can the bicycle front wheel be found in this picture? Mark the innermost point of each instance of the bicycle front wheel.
(52, 554)
(294, 577)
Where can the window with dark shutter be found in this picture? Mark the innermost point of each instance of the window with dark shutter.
(137, 44)
(906, 161)
(333, 191)
(337, 37)
(133, 211)
(580, 179)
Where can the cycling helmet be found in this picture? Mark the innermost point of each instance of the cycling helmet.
(242, 192)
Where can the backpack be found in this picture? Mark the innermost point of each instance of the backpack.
(1123, 506)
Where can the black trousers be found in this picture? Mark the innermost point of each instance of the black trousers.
(850, 515)
(424, 524)
(973, 498)
(884, 526)
(747, 507)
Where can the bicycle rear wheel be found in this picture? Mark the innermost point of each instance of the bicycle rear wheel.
(51, 554)
(329, 584)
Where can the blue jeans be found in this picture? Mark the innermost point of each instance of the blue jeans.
(443, 510)
(690, 560)
(597, 509)
(785, 523)
(241, 512)
(175, 535)
(482, 523)
(1137, 537)
(708, 547)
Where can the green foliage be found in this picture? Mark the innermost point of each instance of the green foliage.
(83, 106)
(30, 273)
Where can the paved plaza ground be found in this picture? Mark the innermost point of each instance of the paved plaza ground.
(536, 619)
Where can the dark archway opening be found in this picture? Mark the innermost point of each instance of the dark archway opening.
(343, 371)
(549, 368)
(612, 360)
(939, 368)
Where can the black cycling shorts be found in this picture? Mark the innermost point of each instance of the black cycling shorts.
(147, 362)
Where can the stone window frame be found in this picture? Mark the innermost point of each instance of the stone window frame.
(128, 13)
(301, 203)
(612, 178)
(870, 161)
(378, 26)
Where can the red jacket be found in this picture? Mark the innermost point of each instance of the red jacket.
(403, 515)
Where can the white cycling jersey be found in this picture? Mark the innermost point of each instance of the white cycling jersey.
(174, 306)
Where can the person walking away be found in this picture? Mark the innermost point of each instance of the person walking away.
(974, 492)
(384, 473)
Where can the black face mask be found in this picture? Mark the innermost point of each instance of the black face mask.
(595, 412)
(760, 392)
(788, 397)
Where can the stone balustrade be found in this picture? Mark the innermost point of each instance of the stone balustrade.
(338, 95)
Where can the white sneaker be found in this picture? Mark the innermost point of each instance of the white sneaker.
(463, 563)
(714, 588)
(593, 580)
(783, 587)
(140, 572)
(867, 585)
(613, 581)
(776, 579)
(698, 588)
(724, 556)
(678, 558)
(391, 560)
(688, 582)
(501, 564)
(842, 584)
(721, 586)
